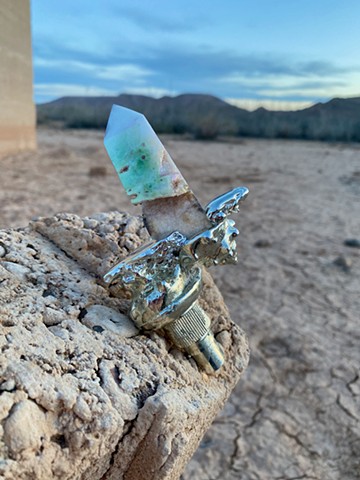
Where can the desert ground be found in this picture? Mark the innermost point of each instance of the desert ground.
(295, 291)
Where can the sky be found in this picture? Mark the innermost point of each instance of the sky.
(281, 54)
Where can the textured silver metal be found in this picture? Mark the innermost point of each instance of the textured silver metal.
(190, 327)
(164, 279)
(226, 204)
(192, 333)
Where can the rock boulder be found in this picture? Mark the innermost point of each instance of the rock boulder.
(83, 393)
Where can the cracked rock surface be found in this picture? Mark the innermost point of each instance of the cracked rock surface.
(83, 394)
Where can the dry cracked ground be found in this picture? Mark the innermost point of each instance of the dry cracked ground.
(296, 290)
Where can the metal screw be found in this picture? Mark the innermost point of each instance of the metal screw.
(192, 332)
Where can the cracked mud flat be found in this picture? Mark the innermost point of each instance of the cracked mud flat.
(295, 413)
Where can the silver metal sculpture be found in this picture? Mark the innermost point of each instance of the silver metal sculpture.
(165, 279)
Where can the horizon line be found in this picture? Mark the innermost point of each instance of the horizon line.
(249, 104)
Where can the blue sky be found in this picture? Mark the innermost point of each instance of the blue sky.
(277, 53)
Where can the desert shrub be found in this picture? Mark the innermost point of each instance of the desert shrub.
(207, 129)
(180, 128)
(206, 118)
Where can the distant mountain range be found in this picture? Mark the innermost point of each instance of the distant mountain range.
(206, 117)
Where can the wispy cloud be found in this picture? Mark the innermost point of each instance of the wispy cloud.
(284, 81)
(278, 105)
(172, 68)
(128, 72)
(65, 89)
(219, 63)
(125, 71)
(150, 91)
(153, 21)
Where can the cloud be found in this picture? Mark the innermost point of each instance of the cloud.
(278, 105)
(217, 63)
(321, 68)
(283, 84)
(172, 67)
(46, 91)
(154, 22)
(150, 91)
(348, 90)
(45, 48)
(125, 71)
(85, 71)
(192, 62)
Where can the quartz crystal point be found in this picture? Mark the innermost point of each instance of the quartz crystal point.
(150, 176)
(144, 166)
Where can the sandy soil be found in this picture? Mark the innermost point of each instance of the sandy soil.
(295, 414)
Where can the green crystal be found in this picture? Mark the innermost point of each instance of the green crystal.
(145, 168)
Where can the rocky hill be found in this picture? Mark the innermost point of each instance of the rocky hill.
(206, 116)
